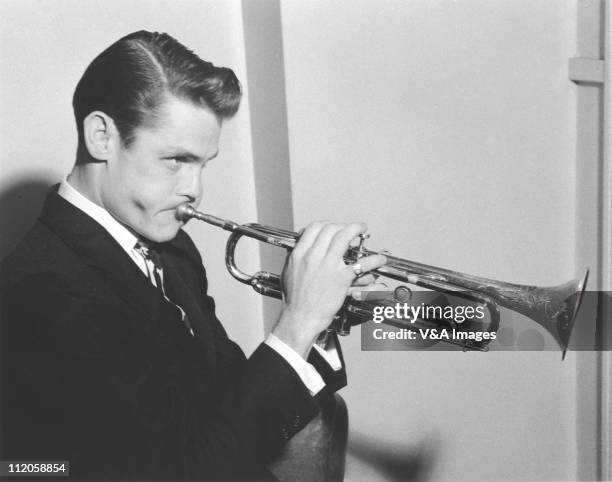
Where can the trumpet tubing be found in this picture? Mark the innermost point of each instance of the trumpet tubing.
(554, 308)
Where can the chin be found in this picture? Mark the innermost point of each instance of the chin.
(163, 234)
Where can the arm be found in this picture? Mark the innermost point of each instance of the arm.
(80, 387)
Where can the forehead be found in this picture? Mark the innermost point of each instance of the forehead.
(180, 123)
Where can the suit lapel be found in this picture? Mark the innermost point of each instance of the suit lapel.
(180, 291)
(98, 249)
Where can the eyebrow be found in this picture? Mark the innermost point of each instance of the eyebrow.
(181, 152)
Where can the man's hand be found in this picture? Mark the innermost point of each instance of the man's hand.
(316, 281)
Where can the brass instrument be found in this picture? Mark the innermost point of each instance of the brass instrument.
(554, 308)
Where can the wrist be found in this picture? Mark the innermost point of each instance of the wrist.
(293, 330)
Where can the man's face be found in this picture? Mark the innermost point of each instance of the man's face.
(161, 169)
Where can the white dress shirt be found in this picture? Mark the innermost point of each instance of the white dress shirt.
(128, 241)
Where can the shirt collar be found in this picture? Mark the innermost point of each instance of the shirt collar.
(126, 239)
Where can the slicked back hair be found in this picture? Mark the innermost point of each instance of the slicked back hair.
(130, 79)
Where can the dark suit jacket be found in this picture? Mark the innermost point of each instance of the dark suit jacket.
(99, 370)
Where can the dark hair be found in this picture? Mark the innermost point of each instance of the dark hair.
(128, 82)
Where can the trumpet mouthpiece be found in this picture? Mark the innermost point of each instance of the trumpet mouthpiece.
(184, 212)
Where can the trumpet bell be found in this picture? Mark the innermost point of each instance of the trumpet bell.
(554, 308)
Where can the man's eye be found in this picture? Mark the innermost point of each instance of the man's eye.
(174, 163)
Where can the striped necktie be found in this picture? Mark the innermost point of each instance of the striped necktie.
(155, 274)
(153, 264)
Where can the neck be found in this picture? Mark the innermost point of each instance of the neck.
(86, 178)
(86, 175)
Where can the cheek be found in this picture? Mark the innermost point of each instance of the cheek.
(148, 198)
(142, 190)
(147, 191)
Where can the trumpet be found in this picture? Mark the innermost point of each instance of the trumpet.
(554, 308)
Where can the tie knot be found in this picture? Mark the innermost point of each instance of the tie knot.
(149, 252)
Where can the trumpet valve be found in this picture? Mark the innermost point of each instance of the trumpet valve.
(402, 294)
(361, 251)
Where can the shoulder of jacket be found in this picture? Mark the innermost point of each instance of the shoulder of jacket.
(183, 246)
(40, 250)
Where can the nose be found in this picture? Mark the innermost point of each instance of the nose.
(191, 183)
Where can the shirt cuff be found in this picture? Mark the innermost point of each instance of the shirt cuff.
(307, 373)
(330, 353)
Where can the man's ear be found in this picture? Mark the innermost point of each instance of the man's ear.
(98, 130)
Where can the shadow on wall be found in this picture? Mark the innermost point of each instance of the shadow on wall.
(393, 463)
(20, 204)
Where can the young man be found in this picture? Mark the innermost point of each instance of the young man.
(113, 358)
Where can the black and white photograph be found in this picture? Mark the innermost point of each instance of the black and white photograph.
(306, 240)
